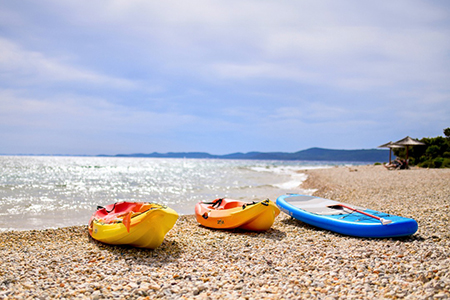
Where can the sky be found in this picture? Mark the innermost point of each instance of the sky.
(220, 76)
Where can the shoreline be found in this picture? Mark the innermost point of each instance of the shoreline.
(292, 260)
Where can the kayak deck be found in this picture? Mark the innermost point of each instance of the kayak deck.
(137, 224)
(229, 214)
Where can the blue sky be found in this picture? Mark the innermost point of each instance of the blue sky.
(108, 77)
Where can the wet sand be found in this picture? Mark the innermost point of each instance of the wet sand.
(290, 261)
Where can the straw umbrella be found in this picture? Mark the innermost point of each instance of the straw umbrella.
(390, 145)
(407, 141)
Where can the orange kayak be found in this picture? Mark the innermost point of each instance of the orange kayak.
(229, 214)
(139, 224)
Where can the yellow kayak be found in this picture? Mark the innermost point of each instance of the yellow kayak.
(137, 224)
(229, 214)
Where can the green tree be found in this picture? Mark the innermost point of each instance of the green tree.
(447, 133)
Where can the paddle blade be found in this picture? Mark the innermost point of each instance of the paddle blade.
(127, 221)
(385, 222)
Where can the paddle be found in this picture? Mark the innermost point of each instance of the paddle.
(383, 221)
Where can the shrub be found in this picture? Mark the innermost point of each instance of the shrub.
(426, 164)
(438, 162)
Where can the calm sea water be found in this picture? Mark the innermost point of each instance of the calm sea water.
(38, 192)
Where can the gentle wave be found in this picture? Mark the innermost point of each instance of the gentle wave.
(38, 192)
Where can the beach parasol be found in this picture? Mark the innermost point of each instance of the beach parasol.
(390, 145)
(407, 141)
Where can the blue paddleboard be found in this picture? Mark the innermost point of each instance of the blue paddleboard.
(345, 218)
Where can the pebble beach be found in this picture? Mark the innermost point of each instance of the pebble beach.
(290, 261)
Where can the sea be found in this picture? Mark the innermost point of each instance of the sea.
(42, 192)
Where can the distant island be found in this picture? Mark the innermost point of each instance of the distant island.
(315, 154)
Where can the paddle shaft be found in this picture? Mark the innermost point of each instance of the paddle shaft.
(383, 221)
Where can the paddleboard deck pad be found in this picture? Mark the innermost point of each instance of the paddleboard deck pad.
(345, 218)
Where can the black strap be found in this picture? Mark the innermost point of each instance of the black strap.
(215, 203)
(108, 211)
(265, 203)
(218, 203)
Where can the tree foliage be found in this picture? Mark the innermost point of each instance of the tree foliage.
(435, 153)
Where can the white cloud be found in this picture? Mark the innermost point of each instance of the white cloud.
(236, 67)
(74, 112)
(25, 67)
(354, 45)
